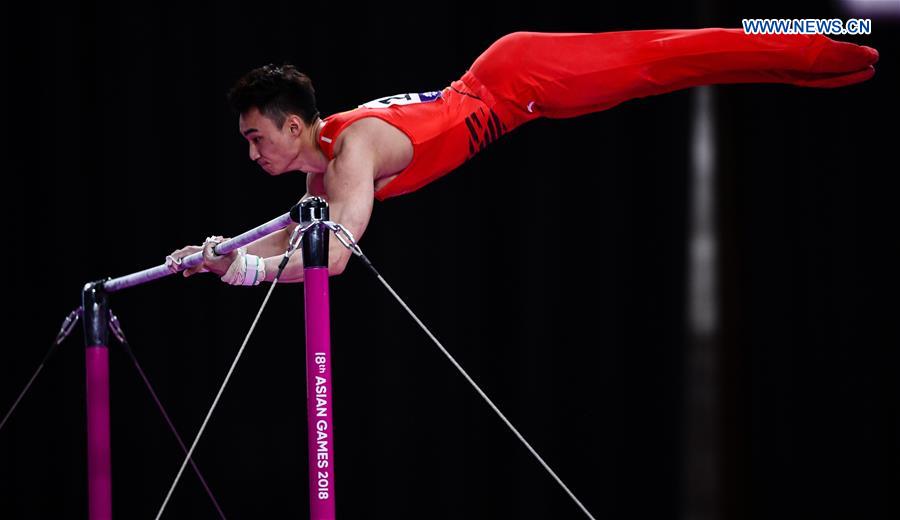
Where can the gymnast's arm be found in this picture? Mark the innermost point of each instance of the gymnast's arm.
(350, 192)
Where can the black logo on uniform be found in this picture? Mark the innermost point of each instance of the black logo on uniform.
(481, 134)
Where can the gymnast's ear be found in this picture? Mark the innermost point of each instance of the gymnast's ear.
(294, 125)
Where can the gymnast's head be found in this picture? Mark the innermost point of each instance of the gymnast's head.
(277, 107)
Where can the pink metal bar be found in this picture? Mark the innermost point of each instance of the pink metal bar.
(96, 365)
(98, 438)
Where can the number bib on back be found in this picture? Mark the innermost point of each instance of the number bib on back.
(403, 99)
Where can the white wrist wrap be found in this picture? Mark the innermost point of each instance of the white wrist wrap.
(245, 270)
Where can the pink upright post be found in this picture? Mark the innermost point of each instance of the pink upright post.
(97, 379)
(319, 397)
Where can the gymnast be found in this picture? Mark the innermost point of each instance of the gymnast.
(397, 144)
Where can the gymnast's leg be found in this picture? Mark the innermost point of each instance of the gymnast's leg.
(560, 75)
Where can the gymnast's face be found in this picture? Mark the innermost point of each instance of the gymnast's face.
(271, 147)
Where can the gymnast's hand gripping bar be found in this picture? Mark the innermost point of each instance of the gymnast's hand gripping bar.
(160, 271)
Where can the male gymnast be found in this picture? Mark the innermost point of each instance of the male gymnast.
(397, 144)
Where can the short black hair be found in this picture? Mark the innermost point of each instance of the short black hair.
(276, 92)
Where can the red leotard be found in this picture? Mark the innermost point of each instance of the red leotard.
(526, 75)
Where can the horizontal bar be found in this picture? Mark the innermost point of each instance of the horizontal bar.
(160, 271)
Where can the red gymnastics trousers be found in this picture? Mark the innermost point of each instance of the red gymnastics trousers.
(527, 75)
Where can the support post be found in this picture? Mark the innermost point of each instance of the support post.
(319, 396)
(99, 462)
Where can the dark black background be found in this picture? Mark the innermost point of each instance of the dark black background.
(552, 265)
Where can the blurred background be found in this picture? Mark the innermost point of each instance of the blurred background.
(685, 303)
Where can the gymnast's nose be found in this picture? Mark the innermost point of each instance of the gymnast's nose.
(254, 153)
